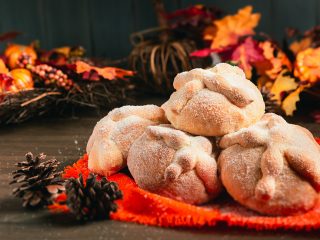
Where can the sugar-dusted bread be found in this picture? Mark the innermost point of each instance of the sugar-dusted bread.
(174, 164)
(272, 167)
(213, 102)
(113, 135)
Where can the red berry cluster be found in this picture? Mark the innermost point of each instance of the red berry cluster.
(24, 60)
(52, 76)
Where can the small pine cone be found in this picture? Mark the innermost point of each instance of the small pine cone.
(272, 105)
(92, 199)
(38, 180)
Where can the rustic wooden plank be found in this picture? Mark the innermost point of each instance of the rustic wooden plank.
(317, 12)
(25, 17)
(112, 23)
(67, 23)
(294, 13)
(105, 26)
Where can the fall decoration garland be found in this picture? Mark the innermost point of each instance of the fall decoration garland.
(42, 82)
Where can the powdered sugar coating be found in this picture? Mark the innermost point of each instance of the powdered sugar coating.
(272, 167)
(174, 164)
(213, 102)
(113, 135)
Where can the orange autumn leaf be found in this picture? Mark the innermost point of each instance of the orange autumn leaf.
(289, 104)
(275, 60)
(63, 50)
(3, 67)
(307, 65)
(282, 84)
(299, 46)
(109, 73)
(229, 29)
(264, 81)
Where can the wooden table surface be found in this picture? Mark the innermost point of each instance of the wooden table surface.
(66, 139)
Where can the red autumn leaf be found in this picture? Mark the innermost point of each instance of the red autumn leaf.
(109, 73)
(201, 53)
(6, 83)
(246, 54)
(92, 76)
(193, 16)
(207, 51)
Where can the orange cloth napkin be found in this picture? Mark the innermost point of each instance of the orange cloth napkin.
(144, 207)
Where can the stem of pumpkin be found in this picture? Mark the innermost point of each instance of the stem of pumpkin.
(162, 21)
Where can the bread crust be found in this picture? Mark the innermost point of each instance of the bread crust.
(271, 167)
(113, 135)
(174, 164)
(214, 102)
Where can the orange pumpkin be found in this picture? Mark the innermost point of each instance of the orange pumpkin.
(3, 67)
(14, 51)
(22, 79)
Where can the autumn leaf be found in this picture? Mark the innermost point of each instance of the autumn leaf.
(283, 83)
(63, 50)
(193, 16)
(3, 68)
(229, 29)
(275, 60)
(299, 46)
(109, 73)
(246, 54)
(264, 81)
(307, 65)
(201, 53)
(289, 104)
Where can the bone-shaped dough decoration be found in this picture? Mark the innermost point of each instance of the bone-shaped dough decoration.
(172, 163)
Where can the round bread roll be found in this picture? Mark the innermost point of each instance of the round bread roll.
(214, 102)
(271, 167)
(113, 135)
(174, 164)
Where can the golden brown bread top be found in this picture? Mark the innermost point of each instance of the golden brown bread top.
(282, 142)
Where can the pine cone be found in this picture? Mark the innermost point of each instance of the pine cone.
(272, 105)
(39, 180)
(92, 199)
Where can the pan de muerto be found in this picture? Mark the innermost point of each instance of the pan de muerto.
(113, 135)
(272, 167)
(213, 102)
(174, 164)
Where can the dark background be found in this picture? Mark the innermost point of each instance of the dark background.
(103, 26)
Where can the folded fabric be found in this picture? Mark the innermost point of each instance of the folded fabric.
(147, 208)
